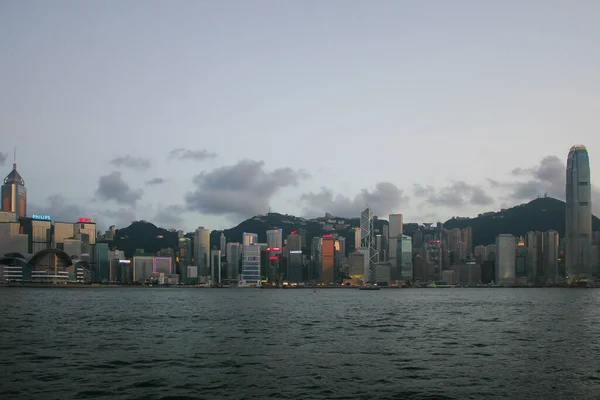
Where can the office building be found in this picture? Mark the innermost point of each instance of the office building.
(295, 258)
(251, 271)
(404, 257)
(380, 273)
(505, 258)
(215, 266)
(358, 263)
(222, 243)
(534, 260)
(551, 255)
(143, 268)
(12, 240)
(233, 257)
(202, 250)
(275, 238)
(578, 210)
(328, 259)
(163, 265)
(14, 193)
(395, 229)
(357, 233)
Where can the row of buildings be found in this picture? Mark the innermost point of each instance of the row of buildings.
(35, 246)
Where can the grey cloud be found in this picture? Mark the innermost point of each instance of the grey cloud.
(243, 189)
(546, 178)
(457, 194)
(121, 218)
(136, 163)
(60, 209)
(384, 199)
(170, 216)
(196, 155)
(155, 181)
(3, 158)
(113, 187)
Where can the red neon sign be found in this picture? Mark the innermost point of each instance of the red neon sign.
(273, 248)
(273, 258)
(328, 236)
(87, 220)
(294, 232)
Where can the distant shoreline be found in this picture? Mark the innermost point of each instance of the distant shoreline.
(113, 286)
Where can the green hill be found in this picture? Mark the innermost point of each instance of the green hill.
(538, 215)
(143, 235)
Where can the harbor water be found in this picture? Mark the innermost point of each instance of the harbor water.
(161, 343)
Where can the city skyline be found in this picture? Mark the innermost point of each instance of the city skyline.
(548, 172)
(226, 112)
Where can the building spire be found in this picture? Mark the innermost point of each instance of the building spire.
(15, 158)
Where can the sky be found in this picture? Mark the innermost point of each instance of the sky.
(204, 113)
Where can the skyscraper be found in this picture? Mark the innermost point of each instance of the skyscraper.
(578, 213)
(394, 231)
(14, 194)
(327, 259)
(275, 238)
(551, 254)
(202, 250)
(505, 258)
(234, 254)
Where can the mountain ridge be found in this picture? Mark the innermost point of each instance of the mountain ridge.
(540, 214)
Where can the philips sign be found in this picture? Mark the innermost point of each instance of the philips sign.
(41, 217)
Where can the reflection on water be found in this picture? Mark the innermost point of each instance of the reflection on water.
(296, 344)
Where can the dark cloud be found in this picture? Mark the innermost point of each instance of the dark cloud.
(546, 178)
(121, 218)
(457, 194)
(155, 181)
(113, 187)
(3, 158)
(170, 216)
(128, 161)
(384, 199)
(196, 155)
(549, 177)
(243, 189)
(62, 210)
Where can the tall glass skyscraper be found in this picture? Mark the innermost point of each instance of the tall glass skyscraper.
(578, 252)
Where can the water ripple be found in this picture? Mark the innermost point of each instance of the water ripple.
(169, 344)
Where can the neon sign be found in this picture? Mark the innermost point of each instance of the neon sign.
(124, 261)
(295, 251)
(273, 249)
(87, 220)
(328, 236)
(41, 217)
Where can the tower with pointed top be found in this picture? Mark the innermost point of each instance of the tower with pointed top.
(14, 193)
(578, 252)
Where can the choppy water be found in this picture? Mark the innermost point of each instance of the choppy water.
(296, 344)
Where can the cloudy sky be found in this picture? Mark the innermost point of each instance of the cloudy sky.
(190, 113)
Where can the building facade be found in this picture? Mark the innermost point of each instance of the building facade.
(578, 212)
(14, 193)
(505, 258)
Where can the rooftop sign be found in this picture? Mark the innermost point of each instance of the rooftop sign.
(41, 217)
(87, 220)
